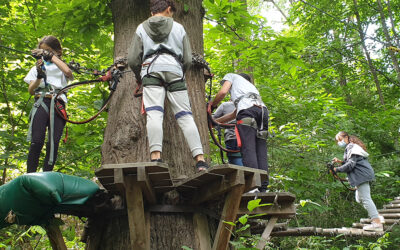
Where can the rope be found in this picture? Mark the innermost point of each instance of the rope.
(331, 169)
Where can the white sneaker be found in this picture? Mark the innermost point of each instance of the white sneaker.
(254, 191)
(382, 219)
(376, 227)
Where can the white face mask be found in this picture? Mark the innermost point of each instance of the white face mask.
(342, 144)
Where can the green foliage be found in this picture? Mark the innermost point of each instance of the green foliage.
(313, 76)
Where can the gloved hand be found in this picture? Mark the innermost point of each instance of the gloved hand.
(40, 72)
(39, 53)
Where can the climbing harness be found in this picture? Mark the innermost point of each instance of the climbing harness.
(331, 169)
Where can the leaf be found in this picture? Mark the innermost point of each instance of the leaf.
(186, 7)
(229, 223)
(243, 219)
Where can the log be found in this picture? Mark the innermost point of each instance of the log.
(310, 231)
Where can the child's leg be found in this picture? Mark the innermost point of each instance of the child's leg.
(364, 195)
(40, 122)
(59, 124)
(180, 106)
(153, 100)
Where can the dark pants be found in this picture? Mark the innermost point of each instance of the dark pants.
(233, 158)
(41, 121)
(254, 149)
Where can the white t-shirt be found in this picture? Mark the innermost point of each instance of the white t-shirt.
(240, 87)
(55, 77)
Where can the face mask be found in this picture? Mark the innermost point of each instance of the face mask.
(342, 144)
(47, 63)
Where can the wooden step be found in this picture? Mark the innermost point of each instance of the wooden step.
(387, 221)
(389, 211)
(391, 215)
(361, 225)
(391, 206)
(307, 231)
(395, 202)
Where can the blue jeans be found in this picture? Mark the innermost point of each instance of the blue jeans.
(233, 158)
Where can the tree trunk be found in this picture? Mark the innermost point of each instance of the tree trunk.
(125, 138)
(370, 64)
(388, 40)
(392, 24)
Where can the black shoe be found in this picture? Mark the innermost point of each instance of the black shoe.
(156, 160)
(201, 165)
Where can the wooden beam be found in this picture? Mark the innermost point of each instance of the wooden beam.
(216, 188)
(146, 185)
(308, 231)
(55, 236)
(136, 216)
(201, 231)
(268, 229)
(119, 180)
(253, 180)
(229, 213)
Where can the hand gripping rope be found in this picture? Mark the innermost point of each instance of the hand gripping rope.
(331, 169)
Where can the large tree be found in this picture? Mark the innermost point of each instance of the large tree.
(125, 136)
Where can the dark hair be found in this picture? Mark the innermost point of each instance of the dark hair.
(352, 138)
(245, 76)
(158, 6)
(52, 42)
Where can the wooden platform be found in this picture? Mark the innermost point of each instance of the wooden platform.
(217, 180)
(154, 177)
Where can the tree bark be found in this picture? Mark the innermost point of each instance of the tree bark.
(392, 24)
(370, 64)
(125, 138)
(388, 39)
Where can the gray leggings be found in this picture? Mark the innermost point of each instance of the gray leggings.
(363, 196)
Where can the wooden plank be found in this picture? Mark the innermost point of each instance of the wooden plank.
(253, 180)
(200, 179)
(145, 184)
(136, 216)
(268, 229)
(308, 231)
(391, 216)
(269, 197)
(285, 210)
(212, 190)
(119, 180)
(390, 206)
(106, 179)
(227, 168)
(147, 226)
(392, 210)
(55, 236)
(229, 213)
(201, 231)
(160, 179)
(130, 168)
(387, 221)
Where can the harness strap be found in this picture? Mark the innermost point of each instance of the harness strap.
(158, 53)
(238, 139)
(32, 114)
(248, 121)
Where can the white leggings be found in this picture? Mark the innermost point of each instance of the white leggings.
(153, 100)
(363, 196)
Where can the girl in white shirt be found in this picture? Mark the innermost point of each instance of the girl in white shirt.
(45, 79)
